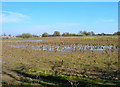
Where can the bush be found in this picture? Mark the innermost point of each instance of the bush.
(25, 35)
(45, 34)
(66, 34)
(56, 33)
(117, 33)
(72, 34)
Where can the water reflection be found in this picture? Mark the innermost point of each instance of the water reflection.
(64, 48)
(3, 61)
(16, 41)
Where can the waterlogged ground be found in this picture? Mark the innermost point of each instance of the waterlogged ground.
(61, 61)
(64, 48)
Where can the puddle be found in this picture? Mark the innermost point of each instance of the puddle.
(3, 61)
(65, 48)
(16, 41)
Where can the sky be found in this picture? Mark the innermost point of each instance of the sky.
(39, 17)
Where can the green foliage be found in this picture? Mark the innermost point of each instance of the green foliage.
(51, 77)
(117, 33)
(71, 34)
(45, 34)
(56, 33)
(25, 35)
(66, 34)
(87, 33)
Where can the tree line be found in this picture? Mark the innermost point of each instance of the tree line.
(57, 33)
(81, 33)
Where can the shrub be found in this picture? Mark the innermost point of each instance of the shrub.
(25, 35)
(45, 34)
(56, 33)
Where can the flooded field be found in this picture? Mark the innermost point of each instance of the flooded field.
(61, 61)
(65, 48)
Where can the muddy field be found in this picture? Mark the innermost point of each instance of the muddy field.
(61, 61)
